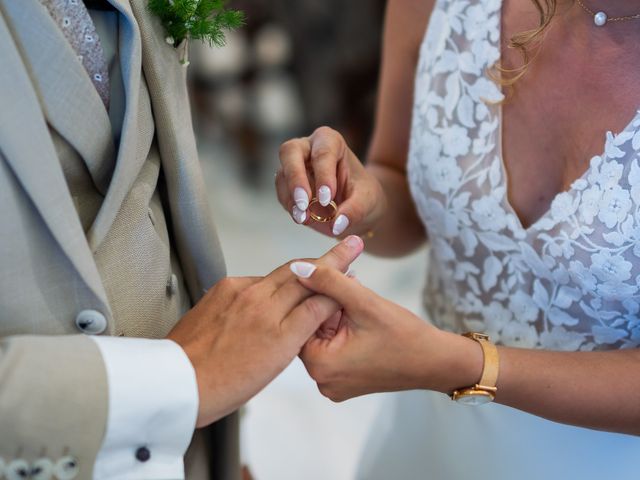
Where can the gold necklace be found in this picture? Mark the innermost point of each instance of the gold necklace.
(600, 18)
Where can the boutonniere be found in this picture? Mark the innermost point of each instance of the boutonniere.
(199, 19)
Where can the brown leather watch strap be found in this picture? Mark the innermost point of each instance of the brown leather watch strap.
(491, 363)
(489, 376)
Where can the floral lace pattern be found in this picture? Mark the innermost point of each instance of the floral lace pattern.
(571, 281)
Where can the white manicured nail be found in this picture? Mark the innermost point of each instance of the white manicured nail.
(303, 269)
(340, 225)
(298, 215)
(301, 198)
(324, 195)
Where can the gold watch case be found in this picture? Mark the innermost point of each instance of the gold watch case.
(474, 396)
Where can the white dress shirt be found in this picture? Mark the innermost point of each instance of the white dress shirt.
(153, 406)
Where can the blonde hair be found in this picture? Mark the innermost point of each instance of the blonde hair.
(526, 42)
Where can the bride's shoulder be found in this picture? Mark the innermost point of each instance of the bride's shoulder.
(407, 19)
(415, 5)
(413, 11)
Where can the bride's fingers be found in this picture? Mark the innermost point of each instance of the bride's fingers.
(327, 149)
(351, 211)
(293, 157)
(286, 200)
(336, 285)
(281, 188)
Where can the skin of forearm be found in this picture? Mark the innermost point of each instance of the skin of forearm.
(597, 390)
(399, 231)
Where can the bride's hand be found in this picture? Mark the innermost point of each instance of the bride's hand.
(379, 346)
(323, 166)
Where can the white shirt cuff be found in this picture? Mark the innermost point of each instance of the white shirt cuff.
(153, 407)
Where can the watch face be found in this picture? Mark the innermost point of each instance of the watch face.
(474, 398)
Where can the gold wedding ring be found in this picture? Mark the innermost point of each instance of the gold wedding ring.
(317, 217)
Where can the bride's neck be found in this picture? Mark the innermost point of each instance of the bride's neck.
(579, 25)
(613, 8)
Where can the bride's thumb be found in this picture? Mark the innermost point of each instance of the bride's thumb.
(332, 283)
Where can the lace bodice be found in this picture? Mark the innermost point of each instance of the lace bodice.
(571, 281)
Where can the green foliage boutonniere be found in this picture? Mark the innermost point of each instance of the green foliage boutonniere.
(199, 19)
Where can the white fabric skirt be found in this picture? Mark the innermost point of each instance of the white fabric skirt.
(425, 436)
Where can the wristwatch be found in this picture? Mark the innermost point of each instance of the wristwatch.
(485, 390)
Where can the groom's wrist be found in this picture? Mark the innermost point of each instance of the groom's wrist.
(216, 396)
(198, 359)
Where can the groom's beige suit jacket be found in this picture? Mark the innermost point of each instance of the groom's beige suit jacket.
(124, 231)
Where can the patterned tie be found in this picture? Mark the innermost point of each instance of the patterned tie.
(73, 19)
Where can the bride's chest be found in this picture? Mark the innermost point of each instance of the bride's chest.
(557, 116)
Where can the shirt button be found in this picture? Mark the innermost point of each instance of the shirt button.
(66, 468)
(172, 284)
(91, 322)
(18, 469)
(42, 469)
(143, 454)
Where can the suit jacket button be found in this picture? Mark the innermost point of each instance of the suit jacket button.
(17, 469)
(66, 468)
(91, 322)
(143, 454)
(42, 469)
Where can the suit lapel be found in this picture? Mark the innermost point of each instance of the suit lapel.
(26, 144)
(137, 128)
(70, 102)
(193, 228)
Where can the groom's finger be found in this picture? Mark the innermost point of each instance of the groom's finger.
(307, 317)
(340, 256)
(290, 292)
(330, 327)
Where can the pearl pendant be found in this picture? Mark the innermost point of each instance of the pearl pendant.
(600, 19)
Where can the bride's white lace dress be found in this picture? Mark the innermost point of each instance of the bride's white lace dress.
(570, 281)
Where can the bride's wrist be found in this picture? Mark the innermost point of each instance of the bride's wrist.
(453, 361)
(371, 224)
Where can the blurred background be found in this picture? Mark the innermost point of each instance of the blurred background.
(297, 65)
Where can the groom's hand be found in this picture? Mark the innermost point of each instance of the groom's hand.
(245, 331)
